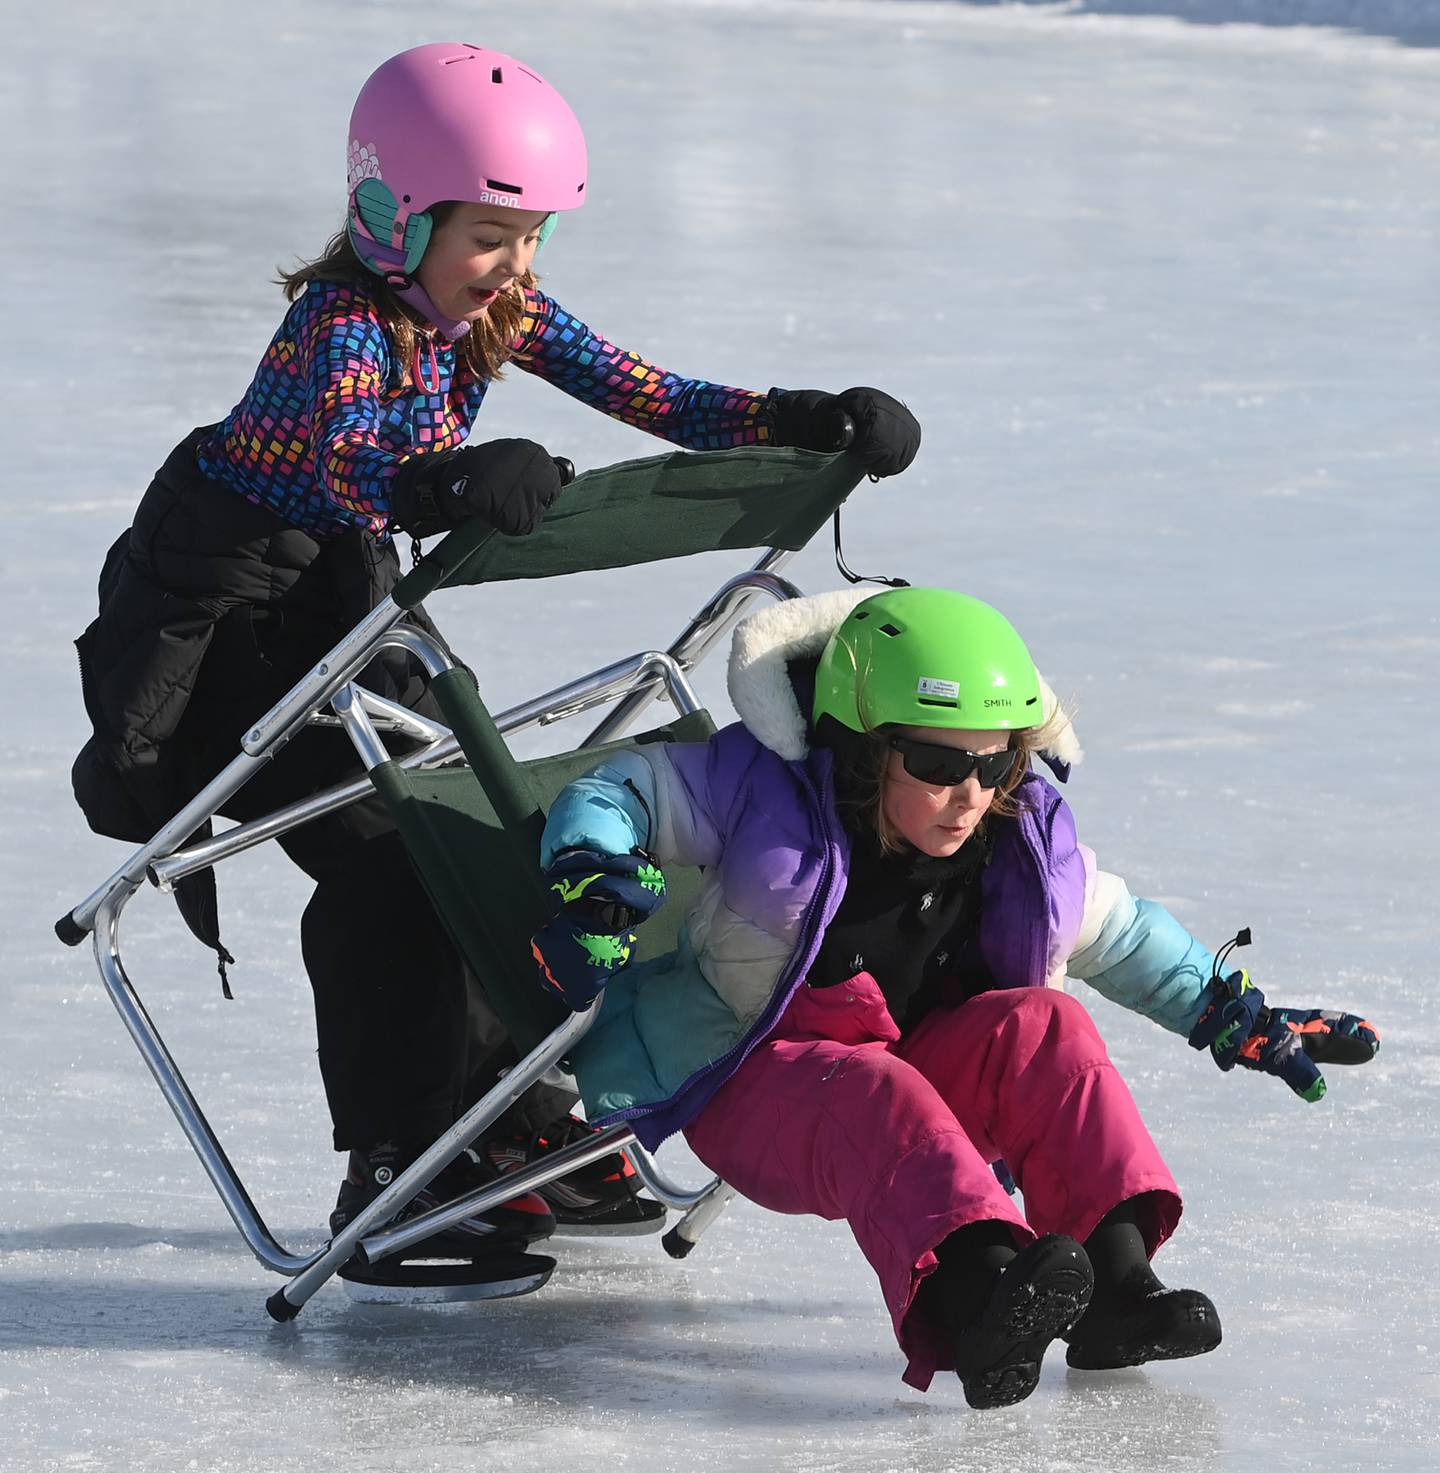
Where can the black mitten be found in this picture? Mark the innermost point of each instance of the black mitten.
(876, 429)
(508, 483)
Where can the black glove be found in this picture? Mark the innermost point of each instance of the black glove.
(508, 483)
(885, 434)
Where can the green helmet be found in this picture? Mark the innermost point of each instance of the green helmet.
(928, 657)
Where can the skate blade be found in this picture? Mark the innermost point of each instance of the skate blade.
(634, 1218)
(447, 1283)
(609, 1229)
(365, 1293)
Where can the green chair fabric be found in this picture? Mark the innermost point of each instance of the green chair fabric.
(473, 834)
(644, 511)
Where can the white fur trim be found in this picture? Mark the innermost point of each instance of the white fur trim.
(1065, 744)
(763, 642)
(759, 683)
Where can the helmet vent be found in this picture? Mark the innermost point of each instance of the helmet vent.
(503, 187)
(497, 74)
(890, 629)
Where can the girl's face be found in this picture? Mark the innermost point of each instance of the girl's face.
(938, 820)
(475, 255)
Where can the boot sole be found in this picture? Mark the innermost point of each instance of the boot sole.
(1031, 1309)
(1198, 1333)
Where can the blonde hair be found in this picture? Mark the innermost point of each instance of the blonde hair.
(484, 350)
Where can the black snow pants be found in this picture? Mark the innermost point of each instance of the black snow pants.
(404, 1040)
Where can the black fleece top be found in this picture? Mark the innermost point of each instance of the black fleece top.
(911, 921)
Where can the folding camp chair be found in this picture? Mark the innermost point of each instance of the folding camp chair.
(470, 814)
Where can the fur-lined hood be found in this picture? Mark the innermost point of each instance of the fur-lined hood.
(759, 681)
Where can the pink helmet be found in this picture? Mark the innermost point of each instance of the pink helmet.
(452, 121)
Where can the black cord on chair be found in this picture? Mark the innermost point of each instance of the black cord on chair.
(848, 573)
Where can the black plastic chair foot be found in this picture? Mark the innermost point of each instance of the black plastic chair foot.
(281, 1308)
(675, 1245)
(69, 931)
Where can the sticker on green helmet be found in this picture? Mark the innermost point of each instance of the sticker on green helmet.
(929, 689)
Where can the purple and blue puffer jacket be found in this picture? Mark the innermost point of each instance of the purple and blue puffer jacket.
(755, 809)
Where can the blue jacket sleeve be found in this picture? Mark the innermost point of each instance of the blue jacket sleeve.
(609, 810)
(1145, 960)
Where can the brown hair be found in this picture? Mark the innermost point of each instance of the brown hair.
(484, 349)
(862, 769)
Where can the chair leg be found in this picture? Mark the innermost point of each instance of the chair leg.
(393, 1239)
(701, 1207)
(687, 1232)
(287, 1302)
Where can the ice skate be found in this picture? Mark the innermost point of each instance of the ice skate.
(596, 1200)
(481, 1257)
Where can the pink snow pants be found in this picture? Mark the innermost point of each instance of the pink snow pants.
(836, 1114)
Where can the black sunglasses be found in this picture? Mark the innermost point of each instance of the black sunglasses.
(946, 767)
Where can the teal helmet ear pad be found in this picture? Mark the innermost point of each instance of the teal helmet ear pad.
(375, 207)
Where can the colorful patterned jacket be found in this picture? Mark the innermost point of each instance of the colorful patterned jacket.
(755, 807)
(330, 414)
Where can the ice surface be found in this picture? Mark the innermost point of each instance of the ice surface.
(1164, 296)
(1416, 22)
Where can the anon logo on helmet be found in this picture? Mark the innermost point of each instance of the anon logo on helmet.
(493, 197)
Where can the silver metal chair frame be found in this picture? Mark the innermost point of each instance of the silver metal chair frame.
(631, 684)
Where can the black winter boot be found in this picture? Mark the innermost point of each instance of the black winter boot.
(1035, 1299)
(1133, 1317)
(1142, 1322)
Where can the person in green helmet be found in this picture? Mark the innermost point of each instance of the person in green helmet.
(864, 1018)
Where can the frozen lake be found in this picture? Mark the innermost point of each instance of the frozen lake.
(1164, 296)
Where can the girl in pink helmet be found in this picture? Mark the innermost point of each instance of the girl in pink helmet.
(265, 537)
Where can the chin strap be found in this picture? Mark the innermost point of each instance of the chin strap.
(414, 295)
(388, 263)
